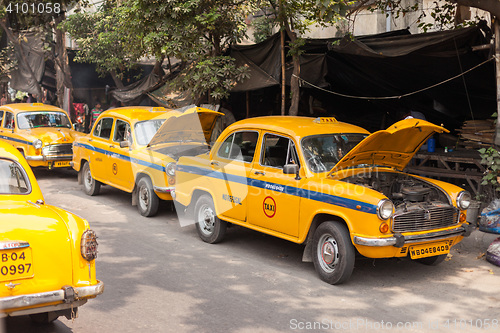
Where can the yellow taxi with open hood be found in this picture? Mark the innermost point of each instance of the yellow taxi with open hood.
(328, 185)
(47, 265)
(135, 149)
(43, 133)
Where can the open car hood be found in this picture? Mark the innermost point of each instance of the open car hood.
(193, 125)
(393, 147)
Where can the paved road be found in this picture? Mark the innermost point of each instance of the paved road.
(161, 277)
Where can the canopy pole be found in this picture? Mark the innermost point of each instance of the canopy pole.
(496, 26)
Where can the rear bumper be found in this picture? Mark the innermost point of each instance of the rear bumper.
(34, 303)
(399, 240)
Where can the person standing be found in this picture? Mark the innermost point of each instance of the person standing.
(3, 101)
(95, 112)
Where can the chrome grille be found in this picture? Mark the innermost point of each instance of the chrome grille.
(58, 149)
(425, 218)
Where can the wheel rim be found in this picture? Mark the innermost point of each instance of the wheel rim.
(88, 179)
(328, 253)
(206, 219)
(144, 197)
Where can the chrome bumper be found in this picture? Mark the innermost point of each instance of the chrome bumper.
(399, 240)
(70, 297)
(49, 158)
(163, 189)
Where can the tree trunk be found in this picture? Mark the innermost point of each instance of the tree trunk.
(294, 80)
(63, 71)
(118, 83)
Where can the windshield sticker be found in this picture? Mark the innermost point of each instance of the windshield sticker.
(269, 206)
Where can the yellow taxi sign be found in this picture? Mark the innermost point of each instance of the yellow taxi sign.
(158, 109)
(325, 120)
(37, 104)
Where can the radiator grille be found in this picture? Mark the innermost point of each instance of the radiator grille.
(58, 149)
(425, 219)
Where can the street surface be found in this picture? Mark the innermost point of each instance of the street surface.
(160, 277)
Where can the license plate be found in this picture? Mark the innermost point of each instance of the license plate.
(16, 264)
(61, 164)
(429, 250)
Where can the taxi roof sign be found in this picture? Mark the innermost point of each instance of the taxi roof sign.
(37, 104)
(325, 120)
(158, 109)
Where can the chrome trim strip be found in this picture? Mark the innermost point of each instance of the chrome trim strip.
(163, 189)
(50, 158)
(13, 302)
(7, 245)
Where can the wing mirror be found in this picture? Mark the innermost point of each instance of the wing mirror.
(124, 144)
(292, 169)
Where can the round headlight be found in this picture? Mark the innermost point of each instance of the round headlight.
(37, 144)
(170, 169)
(385, 208)
(89, 245)
(463, 200)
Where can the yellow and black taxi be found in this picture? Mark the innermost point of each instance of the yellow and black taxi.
(47, 266)
(326, 184)
(43, 133)
(135, 149)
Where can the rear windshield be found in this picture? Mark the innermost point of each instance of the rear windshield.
(26, 120)
(13, 179)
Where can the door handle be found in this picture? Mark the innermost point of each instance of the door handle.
(260, 173)
(214, 163)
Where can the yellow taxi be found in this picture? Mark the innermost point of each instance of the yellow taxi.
(42, 133)
(326, 184)
(47, 266)
(135, 149)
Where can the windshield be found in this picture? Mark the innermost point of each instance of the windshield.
(36, 119)
(322, 152)
(145, 130)
(13, 179)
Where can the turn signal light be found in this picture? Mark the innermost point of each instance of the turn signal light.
(384, 228)
(463, 217)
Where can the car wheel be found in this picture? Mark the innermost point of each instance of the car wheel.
(210, 228)
(432, 261)
(90, 185)
(333, 252)
(44, 318)
(147, 200)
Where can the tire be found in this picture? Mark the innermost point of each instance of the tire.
(147, 200)
(432, 261)
(90, 185)
(333, 252)
(209, 227)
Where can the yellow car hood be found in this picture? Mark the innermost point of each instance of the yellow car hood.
(53, 135)
(195, 124)
(393, 147)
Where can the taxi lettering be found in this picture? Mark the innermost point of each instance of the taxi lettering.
(269, 206)
(231, 199)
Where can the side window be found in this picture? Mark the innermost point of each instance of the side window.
(1, 117)
(239, 146)
(122, 131)
(278, 151)
(9, 120)
(103, 128)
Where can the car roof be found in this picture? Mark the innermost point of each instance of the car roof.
(26, 107)
(297, 126)
(137, 113)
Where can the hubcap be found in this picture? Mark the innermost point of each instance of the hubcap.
(143, 197)
(206, 219)
(88, 179)
(328, 253)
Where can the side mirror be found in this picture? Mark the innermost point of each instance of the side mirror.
(124, 144)
(290, 169)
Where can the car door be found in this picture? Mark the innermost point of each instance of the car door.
(232, 164)
(7, 129)
(119, 158)
(99, 159)
(274, 197)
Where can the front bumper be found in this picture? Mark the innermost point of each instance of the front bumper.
(163, 189)
(43, 158)
(34, 303)
(399, 240)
